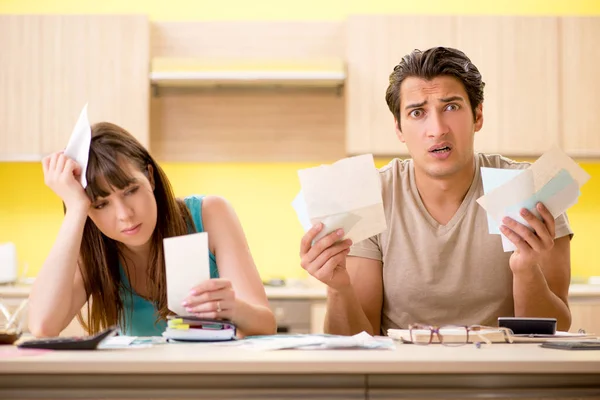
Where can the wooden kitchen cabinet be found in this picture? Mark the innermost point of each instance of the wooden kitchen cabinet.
(52, 65)
(580, 85)
(20, 78)
(585, 314)
(247, 91)
(517, 58)
(318, 312)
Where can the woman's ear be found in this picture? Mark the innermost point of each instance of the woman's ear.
(150, 171)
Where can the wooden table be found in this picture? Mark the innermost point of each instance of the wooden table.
(203, 371)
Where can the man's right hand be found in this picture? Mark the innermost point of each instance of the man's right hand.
(326, 259)
(60, 175)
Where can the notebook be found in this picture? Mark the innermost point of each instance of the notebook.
(193, 329)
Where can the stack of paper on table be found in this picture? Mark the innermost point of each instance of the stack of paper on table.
(554, 180)
(198, 329)
(346, 195)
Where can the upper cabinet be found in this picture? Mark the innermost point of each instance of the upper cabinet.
(539, 75)
(247, 91)
(580, 85)
(518, 61)
(21, 80)
(53, 65)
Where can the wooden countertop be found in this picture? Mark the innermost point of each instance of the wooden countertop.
(217, 359)
(312, 293)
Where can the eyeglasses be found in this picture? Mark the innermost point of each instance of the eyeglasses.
(457, 335)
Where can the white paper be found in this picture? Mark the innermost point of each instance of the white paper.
(492, 178)
(346, 194)
(316, 342)
(554, 180)
(117, 342)
(550, 163)
(187, 264)
(78, 147)
(300, 206)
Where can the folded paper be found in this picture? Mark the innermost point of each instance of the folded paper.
(554, 180)
(346, 195)
(78, 147)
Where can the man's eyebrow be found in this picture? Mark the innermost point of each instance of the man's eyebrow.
(415, 105)
(452, 98)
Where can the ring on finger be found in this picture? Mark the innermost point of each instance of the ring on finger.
(219, 306)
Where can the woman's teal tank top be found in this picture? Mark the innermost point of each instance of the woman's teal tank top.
(139, 314)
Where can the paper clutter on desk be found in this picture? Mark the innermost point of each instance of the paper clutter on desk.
(346, 195)
(554, 180)
(316, 342)
(186, 265)
(78, 147)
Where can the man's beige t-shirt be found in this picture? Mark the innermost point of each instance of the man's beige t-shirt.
(438, 274)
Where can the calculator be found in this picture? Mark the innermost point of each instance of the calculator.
(69, 343)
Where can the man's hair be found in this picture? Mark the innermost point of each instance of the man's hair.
(429, 64)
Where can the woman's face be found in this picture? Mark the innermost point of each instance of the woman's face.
(127, 215)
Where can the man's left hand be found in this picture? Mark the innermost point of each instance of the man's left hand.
(532, 247)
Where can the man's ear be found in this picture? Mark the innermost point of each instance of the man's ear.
(151, 176)
(398, 131)
(478, 117)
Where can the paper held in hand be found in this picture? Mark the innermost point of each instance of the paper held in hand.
(554, 180)
(187, 265)
(78, 147)
(346, 194)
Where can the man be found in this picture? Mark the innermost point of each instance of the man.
(436, 263)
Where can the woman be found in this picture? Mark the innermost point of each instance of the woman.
(109, 249)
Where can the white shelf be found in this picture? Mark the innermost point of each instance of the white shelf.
(194, 72)
(336, 77)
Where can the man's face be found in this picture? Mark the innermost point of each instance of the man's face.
(437, 125)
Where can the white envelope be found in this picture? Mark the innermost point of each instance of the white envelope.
(78, 147)
(554, 179)
(346, 194)
(187, 264)
(492, 178)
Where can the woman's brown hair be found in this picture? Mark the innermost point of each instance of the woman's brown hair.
(99, 255)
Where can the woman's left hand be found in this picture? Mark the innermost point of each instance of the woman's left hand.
(212, 299)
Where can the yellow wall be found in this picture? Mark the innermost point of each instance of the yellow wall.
(306, 9)
(30, 214)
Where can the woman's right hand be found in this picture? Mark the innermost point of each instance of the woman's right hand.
(326, 259)
(61, 174)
